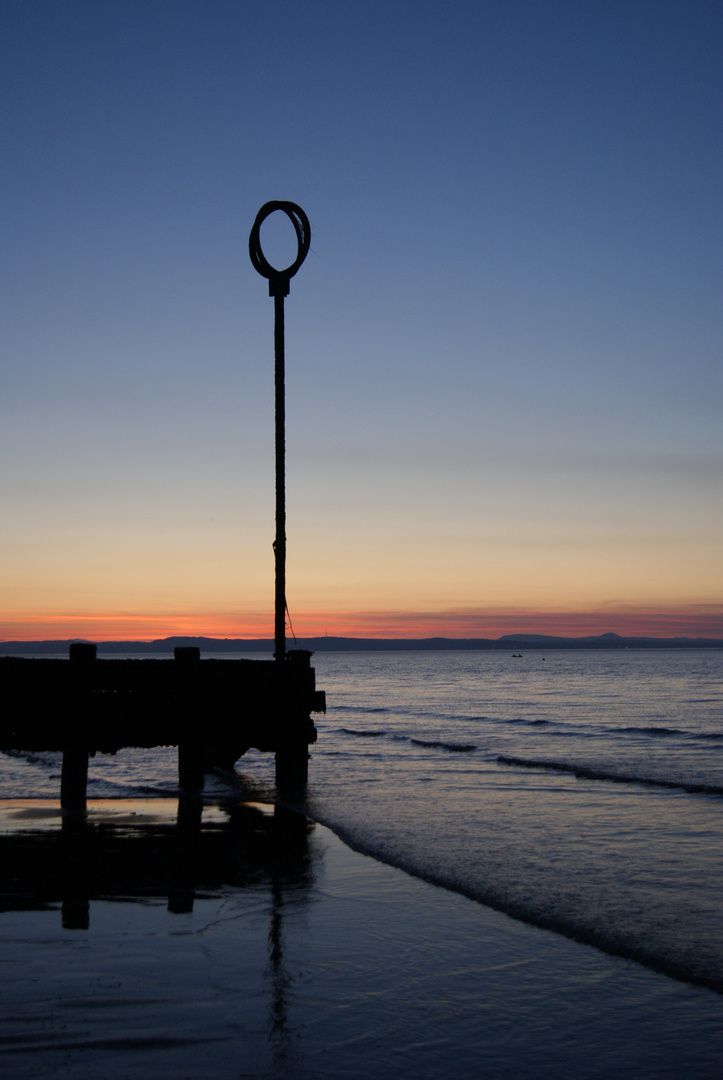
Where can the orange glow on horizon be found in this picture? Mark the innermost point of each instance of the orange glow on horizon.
(694, 620)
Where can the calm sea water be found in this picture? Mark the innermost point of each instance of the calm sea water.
(579, 791)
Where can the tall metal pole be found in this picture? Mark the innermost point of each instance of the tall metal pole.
(280, 541)
(279, 288)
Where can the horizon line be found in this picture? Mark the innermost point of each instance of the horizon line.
(692, 619)
(516, 635)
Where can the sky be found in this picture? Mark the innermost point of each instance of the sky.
(502, 352)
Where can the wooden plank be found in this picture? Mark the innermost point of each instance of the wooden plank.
(111, 704)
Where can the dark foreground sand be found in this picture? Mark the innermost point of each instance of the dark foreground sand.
(263, 947)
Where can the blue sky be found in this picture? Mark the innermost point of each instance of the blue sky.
(503, 369)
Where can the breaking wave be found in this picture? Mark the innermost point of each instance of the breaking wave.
(362, 734)
(585, 773)
(457, 748)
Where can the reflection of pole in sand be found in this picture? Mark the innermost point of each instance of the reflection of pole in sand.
(276, 957)
(290, 866)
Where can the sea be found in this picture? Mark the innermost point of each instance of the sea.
(578, 791)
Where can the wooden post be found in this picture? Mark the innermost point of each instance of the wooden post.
(190, 749)
(74, 772)
(292, 770)
(187, 654)
(74, 780)
(190, 766)
(190, 803)
(295, 731)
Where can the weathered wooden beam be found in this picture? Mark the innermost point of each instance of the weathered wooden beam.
(213, 711)
(74, 771)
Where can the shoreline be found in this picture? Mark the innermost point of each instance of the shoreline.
(296, 956)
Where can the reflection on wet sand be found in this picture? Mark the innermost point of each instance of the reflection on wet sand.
(239, 940)
(130, 852)
(136, 850)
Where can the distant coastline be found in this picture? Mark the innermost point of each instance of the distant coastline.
(165, 646)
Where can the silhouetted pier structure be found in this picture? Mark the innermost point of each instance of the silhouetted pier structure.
(212, 710)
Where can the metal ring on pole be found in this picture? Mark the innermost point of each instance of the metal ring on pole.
(279, 279)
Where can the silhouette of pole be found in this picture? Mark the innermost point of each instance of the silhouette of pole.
(279, 288)
(280, 539)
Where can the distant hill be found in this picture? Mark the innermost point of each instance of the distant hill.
(165, 646)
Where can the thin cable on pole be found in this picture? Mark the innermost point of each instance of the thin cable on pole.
(291, 625)
(279, 288)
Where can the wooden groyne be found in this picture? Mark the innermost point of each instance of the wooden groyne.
(212, 710)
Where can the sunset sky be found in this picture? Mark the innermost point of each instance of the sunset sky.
(503, 350)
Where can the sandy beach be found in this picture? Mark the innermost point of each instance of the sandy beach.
(262, 946)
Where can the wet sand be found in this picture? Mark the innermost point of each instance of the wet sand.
(261, 946)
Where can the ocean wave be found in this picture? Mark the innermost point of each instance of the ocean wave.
(362, 734)
(530, 723)
(353, 708)
(362, 709)
(458, 748)
(544, 917)
(586, 773)
(653, 729)
(121, 789)
(48, 760)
